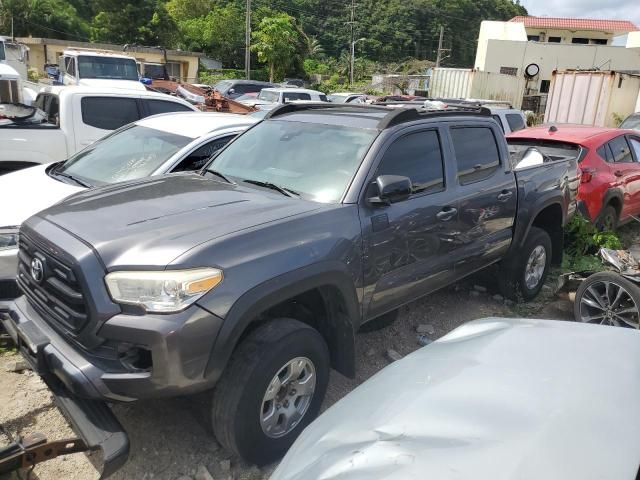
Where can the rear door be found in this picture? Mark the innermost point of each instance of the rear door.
(95, 116)
(486, 192)
(626, 170)
(406, 244)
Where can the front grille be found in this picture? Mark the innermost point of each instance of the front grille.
(57, 295)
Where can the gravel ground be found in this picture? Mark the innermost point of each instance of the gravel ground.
(171, 439)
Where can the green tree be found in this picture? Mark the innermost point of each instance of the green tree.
(182, 10)
(42, 18)
(144, 22)
(275, 42)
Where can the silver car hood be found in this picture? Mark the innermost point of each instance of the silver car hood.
(495, 399)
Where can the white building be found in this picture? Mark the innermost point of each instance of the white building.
(547, 44)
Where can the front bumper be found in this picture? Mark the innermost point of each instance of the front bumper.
(91, 419)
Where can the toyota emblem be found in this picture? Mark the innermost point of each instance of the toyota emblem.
(37, 269)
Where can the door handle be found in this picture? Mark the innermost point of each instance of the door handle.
(446, 214)
(505, 195)
(618, 173)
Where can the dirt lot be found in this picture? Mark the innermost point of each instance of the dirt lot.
(170, 439)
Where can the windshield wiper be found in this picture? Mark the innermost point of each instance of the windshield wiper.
(219, 175)
(82, 183)
(287, 192)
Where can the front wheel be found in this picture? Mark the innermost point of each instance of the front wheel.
(608, 298)
(523, 276)
(271, 390)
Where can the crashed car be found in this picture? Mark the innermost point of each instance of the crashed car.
(494, 399)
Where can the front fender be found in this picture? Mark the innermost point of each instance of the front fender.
(273, 292)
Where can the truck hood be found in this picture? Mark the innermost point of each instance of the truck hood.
(152, 221)
(496, 399)
(28, 191)
(105, 83)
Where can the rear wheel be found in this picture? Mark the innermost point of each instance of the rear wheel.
(523, 276)
(608, 298)
(271, 390)
(608, 220)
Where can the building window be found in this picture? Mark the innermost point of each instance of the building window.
(554, 39)
(598, 41)
(544, 86)
(173, 69)
(579, 40)
(533, 38)
(509, 71)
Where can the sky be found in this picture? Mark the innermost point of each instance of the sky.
(609, 10)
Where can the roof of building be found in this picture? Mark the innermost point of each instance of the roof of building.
(104, 46)
(577, 23)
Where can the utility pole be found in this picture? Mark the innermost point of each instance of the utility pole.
(441, 50)
(247, 53)
(352, 43)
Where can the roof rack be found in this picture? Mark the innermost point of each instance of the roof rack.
(394, 116)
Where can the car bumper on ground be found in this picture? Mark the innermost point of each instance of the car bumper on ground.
(63, 373)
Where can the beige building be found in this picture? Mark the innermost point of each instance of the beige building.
(180, 65)
(548, 44)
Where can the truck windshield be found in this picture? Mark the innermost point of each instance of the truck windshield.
(107, 67)
(127, 154)
(317, 161)
(268, 96)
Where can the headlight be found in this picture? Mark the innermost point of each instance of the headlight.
(165, 291)
(8, 237)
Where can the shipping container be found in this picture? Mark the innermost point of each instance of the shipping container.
(467, 83)
(598, 98)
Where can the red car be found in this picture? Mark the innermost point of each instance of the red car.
(609, 190)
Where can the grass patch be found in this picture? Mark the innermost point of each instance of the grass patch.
(582, 242)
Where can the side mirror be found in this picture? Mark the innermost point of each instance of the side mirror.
(231, 91)
(392, 189)
(146, 81)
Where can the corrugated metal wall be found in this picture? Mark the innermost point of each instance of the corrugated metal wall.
(591, 97)
(466, 83)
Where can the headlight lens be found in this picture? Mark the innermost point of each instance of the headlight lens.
(162, 292)
(8, 237)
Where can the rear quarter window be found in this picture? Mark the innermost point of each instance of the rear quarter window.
(109, 113)
(515, 121)
(476, 153)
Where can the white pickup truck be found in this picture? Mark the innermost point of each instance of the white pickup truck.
(76, 117)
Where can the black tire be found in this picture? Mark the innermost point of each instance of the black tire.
(512, 274)
(383, 321)
(608, 219)
(238, 396)
(596, 284)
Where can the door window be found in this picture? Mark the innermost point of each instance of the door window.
(70, 66)
(419, 157)
(476, 153)
(515, 121)
(154, 107)
(635, 146)
(109, 113)
(199, 157)
(620, 149)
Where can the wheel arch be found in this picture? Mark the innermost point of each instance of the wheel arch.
(326, 296)
(550, 217)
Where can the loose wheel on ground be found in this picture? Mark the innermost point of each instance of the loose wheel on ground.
(522, 276)
(608, 298)
(271, 390)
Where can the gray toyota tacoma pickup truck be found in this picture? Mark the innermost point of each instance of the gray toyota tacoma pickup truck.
(252, 278)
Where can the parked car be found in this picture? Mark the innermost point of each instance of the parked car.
(173, 142)
(76, 117)
(270, 97)
(293, 82)
(346, 97)
(609, 190)
(254, 276)
(496, 398)
(632, 122)
(235, 88)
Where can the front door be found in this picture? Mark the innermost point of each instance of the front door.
(486, 189)
(406, 244)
